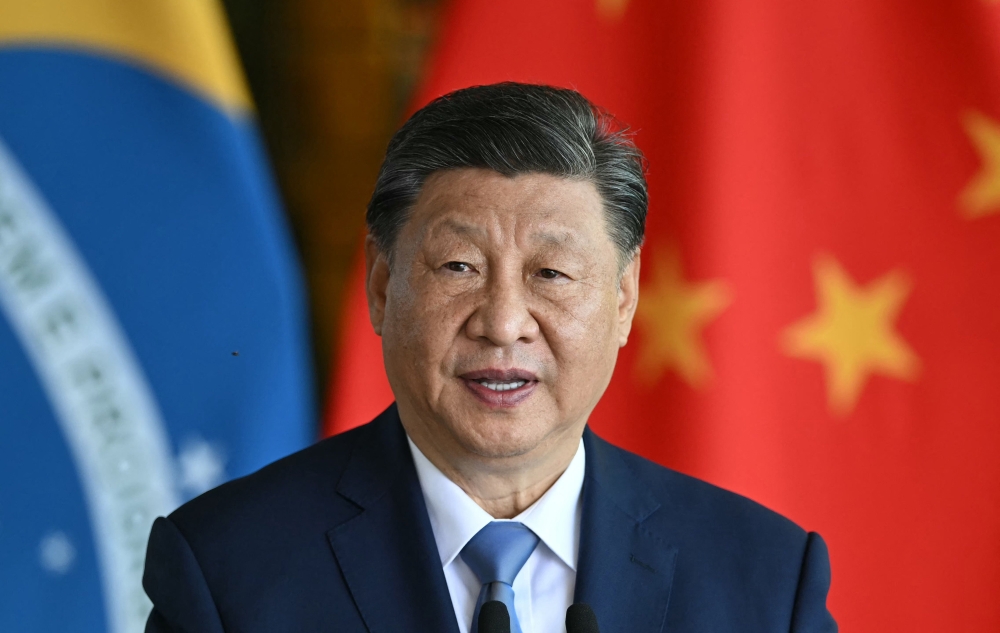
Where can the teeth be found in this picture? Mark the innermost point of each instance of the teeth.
(502, 386)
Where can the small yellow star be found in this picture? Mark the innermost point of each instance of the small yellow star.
(982, 195)
(671, 314)
(852, 333)
(612, 9)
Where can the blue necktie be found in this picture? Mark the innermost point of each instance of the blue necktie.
(496, 554)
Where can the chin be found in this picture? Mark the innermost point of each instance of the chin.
(501, 451)
(499, 439)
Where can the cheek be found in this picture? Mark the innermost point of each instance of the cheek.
(422, 324)
(583, 332)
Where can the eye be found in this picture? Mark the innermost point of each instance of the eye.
(548, 273)
(458, 267)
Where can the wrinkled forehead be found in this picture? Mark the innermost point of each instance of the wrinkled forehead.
(482, 205)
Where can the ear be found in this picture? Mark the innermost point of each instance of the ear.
(376, 282)
(628, 298)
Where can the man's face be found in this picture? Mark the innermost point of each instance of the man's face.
(502, 314)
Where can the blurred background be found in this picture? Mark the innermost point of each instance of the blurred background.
(331, 82)
(182, 196)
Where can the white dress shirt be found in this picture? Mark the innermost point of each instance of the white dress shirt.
(543, 589)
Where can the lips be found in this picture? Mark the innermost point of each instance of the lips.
(500, 388)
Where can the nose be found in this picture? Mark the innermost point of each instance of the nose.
(502, 316)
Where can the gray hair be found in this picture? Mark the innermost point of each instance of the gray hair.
(514, 128)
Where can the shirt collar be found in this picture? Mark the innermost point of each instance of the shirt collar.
(456, 518)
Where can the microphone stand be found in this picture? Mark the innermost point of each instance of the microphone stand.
(580, 618)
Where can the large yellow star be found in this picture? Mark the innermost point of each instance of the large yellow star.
(671, 315)
(982, 195)
(852, 333)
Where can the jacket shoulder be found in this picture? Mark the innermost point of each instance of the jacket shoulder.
(304, 480)
(259, 545)
(737, 561)
(691, 506)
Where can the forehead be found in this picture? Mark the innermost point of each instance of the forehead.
(481, 202)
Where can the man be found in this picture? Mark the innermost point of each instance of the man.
(502, 275)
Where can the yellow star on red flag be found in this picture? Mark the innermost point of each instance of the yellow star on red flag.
(852, 333)
(982, 195)
(611, 9)
(671, 315)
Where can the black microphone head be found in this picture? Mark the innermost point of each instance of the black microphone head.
(493, 617)
(580, 618)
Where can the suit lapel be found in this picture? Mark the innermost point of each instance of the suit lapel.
(625, 572)
(387, 552)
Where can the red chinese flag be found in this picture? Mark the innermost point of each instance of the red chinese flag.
(819, 321)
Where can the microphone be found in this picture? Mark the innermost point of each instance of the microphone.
(580, 618)
(493, 618)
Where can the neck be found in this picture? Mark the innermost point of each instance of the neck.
(502, 486)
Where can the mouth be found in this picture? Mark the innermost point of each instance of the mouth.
(500, 388)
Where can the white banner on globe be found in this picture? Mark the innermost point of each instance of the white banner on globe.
(105, 408)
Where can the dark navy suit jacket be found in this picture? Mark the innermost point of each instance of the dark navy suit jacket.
(337, 538)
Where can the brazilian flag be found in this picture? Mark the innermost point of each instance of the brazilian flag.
(152, 331)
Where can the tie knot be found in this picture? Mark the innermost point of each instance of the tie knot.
(498, 551)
